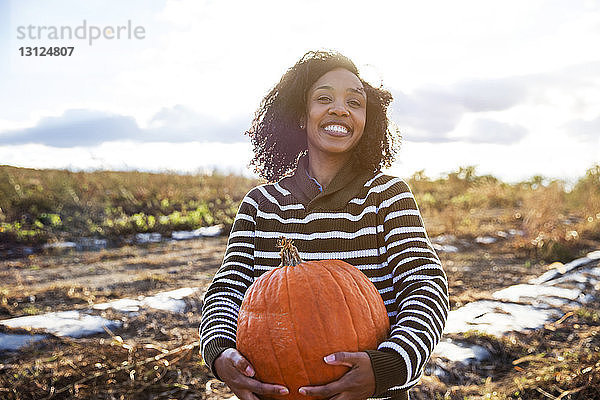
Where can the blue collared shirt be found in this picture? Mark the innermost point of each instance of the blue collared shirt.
(315, 181)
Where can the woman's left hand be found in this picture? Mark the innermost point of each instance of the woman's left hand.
(358, 383)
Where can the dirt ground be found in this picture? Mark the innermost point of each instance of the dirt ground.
(101, 366)
(75, 279)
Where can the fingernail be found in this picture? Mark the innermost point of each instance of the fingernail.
(329, 358)
(249, 371)
(302, 391)
(284, 391)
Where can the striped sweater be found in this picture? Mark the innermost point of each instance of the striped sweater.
(368, 220)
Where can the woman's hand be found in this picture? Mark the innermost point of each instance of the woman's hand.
(358, 383)
(237, 373)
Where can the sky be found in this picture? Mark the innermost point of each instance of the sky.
(511, 87)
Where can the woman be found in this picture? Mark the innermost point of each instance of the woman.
(322, 135)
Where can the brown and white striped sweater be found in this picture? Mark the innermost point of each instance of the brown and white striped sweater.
(370, 221)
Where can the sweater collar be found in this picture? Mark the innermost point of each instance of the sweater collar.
(342, 188)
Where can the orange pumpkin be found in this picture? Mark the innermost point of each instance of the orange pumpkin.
(293, 316)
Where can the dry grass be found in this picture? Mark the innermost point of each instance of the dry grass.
(560, 361)
(155, 355)
(558, 224)
(561, 358)
(106, 368)
(37, 206)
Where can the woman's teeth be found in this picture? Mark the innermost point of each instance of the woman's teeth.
(336, 128)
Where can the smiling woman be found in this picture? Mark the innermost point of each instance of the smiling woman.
(279, 130)
(336, 114)
(322, 136)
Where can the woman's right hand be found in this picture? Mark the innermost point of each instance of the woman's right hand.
(237, 372)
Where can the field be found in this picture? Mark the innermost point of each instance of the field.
(155, 354)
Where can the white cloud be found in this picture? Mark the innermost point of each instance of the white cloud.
(208, 64)
(485, 130)
(511, 163)
(90, 127)
(585, 130)
(430, 113)
(520, 104)
(128, 155)
(491, 94)
(181, 124)
(74, 128)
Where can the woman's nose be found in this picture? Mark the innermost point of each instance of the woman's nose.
(338, 109)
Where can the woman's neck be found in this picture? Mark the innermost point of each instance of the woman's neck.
(323, 168)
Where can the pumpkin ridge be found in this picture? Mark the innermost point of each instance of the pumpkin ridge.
(244, 324)
(318, 314)
(270, 337)
(269, 323)
(366, 300)
(346, 303)
(385, 319)
(287, 286)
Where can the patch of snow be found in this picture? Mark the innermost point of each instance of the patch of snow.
(594, 255)
(64, 323)
(60, 245)
(446, 248)
(594, 271)
(516, 232)
(441, 239)
(9, 341)
(545, 277)
(205, 231)
(496, 317)
(179, 293)
(166, 301)
(122, 305)
(588, 275)
(211, 231)
(538, 294)
(169, 301)
(91, 244)
(563, 269)
(462, 353)
(485, 239)
(502, 234)
(148, 237)
(578, 263)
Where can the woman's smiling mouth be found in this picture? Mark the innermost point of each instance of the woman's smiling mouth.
(336, 129)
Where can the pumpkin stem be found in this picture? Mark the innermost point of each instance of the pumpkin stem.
(289, 253)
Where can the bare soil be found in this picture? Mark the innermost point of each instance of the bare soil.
(124, 364)
(77, 279)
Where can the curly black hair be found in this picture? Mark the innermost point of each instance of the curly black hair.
(276, 133)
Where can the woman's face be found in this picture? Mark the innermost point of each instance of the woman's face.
(336, 113)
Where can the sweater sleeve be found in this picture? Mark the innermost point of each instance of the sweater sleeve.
(224, 296)
(420, 289)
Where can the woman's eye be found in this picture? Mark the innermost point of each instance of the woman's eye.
(323, 98)
(354, 103)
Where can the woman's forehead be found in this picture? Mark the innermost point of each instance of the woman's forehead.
(339, 78)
